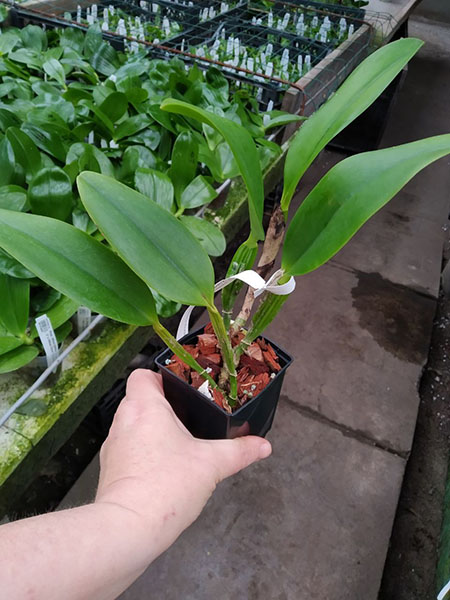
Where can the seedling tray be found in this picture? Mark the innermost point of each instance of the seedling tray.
(312, 18)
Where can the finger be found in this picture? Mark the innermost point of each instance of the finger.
(143, 385)
(233, 455)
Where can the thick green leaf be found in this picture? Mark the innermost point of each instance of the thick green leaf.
(149, 137)
(104, 59)
(136, 157)
(209, 236)
(115, 106)
(34, 37)
(47, 138)
(85, 156)
(17, 358)
(31, 58)
(55, 70)
(58, 314)
(63, 331)
(14, 303)
(131, 126)
(43, 299)
(155, 185)
(184, 162)
(78, 266)
(9, 166)
(10, 266)
(244, 151)
(8, 343)
(357, 93)
(13, 197)
(25, 151)
(348, 195)
(197, 193)
(150, 240)
(33, 407)
(50, 193)
(8, 119)
(278, 118)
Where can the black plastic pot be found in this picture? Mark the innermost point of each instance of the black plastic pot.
(204, 418)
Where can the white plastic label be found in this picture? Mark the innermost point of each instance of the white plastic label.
(84, 317)
(444, 594)
(48, 338)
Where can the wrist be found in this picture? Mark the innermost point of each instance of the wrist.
(132, 533)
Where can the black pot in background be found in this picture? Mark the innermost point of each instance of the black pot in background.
(204, 418)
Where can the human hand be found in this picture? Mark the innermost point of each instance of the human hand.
(151, 465)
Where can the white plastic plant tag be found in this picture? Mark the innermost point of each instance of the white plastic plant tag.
(444, 594)
(48, 338)
(84, 318)
(204, 389)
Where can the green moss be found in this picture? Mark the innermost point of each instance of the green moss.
(13, 447)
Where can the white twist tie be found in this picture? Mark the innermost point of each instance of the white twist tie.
(252, 279)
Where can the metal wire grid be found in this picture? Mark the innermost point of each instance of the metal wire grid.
(299, 94)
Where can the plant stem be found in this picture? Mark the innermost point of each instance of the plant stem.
(178, 349)
(272, 244)
(265, 314)
(242, 260)
(226, 349)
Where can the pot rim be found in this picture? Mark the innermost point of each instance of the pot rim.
(285, 356)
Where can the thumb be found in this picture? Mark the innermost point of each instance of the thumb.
(231, 456)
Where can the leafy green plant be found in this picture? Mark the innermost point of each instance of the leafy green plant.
(151, 248)
(69, 102)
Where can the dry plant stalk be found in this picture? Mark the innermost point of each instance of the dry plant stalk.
(271, 247)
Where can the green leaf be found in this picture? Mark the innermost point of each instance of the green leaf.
(356, 94)
(278, 118)
(78, 266)
(104, 59)
(17, 358)
(34, 37)
(166, 308)
(348, 195)
(8, 343)
(58, 314)
(8, 164)
(184, 162)
(63, 331)
(197, 193)
(10, 266)
(84, 156)
(47, 139)
(33, 407)
(149, 239)
(8, 119)
(209, 236)
(155, 185)
(227, 163)
(72, 38)
(31, 58)
(131, 126)
(149, 137)
(14, 302)
(25, 151)
(136, 157)
(244, 151)
(13, 197)
(55, 70)
(50, 193)
(115, 106)
(44, 299)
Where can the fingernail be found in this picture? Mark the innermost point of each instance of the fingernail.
(265, 450)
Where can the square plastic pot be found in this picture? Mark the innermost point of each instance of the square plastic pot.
(204, 419)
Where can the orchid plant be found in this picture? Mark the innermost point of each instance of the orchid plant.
(150, 248)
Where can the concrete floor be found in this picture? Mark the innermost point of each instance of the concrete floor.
(314, 521)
